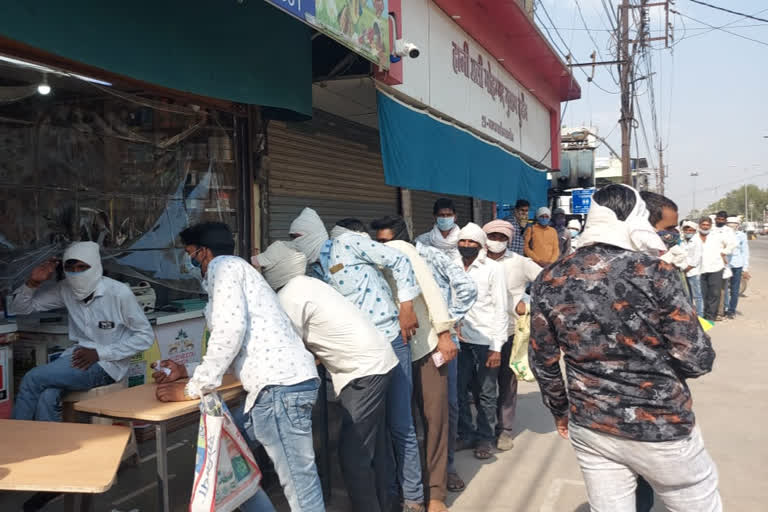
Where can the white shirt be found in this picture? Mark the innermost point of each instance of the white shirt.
(715, 246)
(112, 322)
(338, 333)
(250, 331)
(430, 306)
(488, 321)
(519, 272)
(695, 248)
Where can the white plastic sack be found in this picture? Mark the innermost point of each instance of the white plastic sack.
(226, 473)
(518, 359)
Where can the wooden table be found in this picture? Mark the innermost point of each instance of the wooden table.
(60, 457)
(140, 403)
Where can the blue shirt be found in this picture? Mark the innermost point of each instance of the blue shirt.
(458, 288)
(739, 258)
(350, 264)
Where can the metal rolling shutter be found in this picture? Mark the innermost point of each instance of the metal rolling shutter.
(486, 208)
(422, 203)
(330, 165)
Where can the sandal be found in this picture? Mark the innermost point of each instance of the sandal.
(436, 506)
(455, 483)
(483, 451)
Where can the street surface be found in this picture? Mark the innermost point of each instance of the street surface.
(540, 473)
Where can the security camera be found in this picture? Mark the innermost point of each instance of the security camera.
(405, 49)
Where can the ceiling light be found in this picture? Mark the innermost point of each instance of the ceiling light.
(44, 88)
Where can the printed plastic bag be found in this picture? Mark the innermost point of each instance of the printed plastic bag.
(518, 360)
(226, 473)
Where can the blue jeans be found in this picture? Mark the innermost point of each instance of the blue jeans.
(734, 291)
(473, 374)
(41, 388)
(259, 502)
(281, 420)
(401, 427)
(694, 283)
(453, 411)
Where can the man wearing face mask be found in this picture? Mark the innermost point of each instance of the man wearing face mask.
(445, 232)
(483, 333)
(105, 321)
(541, 241)
(520, 221)
(563, 234)
(694, 248)
(574, 227)
(519, 272)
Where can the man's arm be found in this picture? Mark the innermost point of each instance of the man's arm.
(500, 313)
(464, 288)
(227, 325)
(745, 252)
(687, 344)
(141, 335)
(544, 358)
(380, 255)
(554, 253)
(527, 251)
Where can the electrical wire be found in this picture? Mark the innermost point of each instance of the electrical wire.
(591, 37)
(709, 28)
(729, 11)
(713, 27)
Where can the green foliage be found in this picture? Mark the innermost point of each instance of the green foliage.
(733, 202)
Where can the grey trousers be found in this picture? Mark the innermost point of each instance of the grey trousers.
(681, 472)
(363, 426)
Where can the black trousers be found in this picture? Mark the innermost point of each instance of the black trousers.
(711, 288)
(362, 426)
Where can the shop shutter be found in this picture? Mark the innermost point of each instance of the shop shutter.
(422, 203)
(330, 165)
(486, 209)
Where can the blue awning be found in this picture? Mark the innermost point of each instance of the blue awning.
(421, 152)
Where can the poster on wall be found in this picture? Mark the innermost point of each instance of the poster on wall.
(360, 25)
(182, 342)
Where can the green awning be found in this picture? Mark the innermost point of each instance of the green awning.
(245, 52)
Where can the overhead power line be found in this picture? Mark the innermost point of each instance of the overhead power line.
(729, 11)
(713, 27)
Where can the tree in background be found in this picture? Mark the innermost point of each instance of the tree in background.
(733, 202)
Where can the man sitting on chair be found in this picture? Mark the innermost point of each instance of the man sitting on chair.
(105, 321)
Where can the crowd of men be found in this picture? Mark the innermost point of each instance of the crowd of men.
(428, 325)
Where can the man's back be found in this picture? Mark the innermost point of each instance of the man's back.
(338, 333)
(630, 338)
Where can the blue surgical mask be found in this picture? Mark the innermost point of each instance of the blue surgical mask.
(544, 221)
(446, 223)
(688, 236)
(191, 265)
(574, 233)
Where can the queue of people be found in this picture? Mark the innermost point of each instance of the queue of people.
(428, 324)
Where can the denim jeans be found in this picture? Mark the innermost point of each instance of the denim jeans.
(401, 427)
(473, 374)
(734, 291)
(259, 502)
(681, 472)
(453, 411)
(694, 283)
(41, 388)
(281, 420)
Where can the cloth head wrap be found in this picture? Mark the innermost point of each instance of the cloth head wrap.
(690, 224)
(83, 284)
(311, 234)
(500, 226)
(473, 232)
(280, 263)
(543, 211)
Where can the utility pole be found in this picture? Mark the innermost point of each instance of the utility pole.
(625, 72)
(660, 181)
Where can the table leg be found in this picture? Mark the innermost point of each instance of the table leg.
(162, 467)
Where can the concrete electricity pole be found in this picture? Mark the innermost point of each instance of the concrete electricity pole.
(626, 97)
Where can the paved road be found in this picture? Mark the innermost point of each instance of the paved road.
(540, 474)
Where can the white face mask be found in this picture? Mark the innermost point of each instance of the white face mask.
(496, 247)
(83, 283)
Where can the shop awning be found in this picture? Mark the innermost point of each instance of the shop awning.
(422, 152)
(242, 52)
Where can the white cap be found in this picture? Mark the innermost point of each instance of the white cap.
(473, 232)
(574, 224)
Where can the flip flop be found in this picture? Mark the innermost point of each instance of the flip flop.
(455, 483)
(483, 451)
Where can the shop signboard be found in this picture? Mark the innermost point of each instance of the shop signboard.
(581, 200)
(360, 25)
(458, 78)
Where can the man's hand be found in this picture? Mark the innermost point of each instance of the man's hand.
(254, 261)
(172, 392)
(520, 308)
(408, 321)
(746, 275)
(83, 358)
(562, 426)
(458, 333)
(446, 346)
(178, 371)
(41, 273)
(494, 359)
